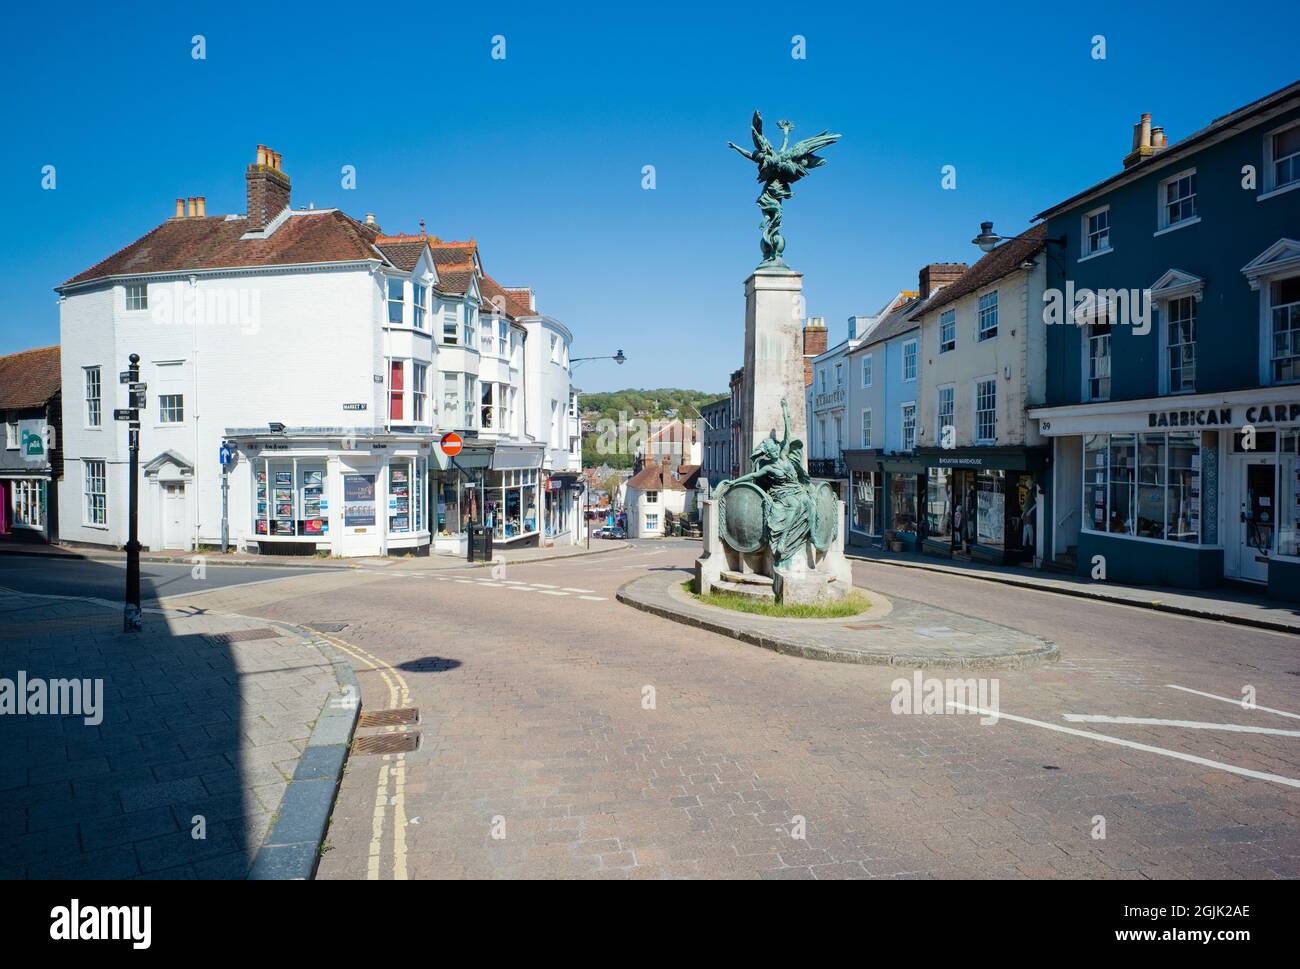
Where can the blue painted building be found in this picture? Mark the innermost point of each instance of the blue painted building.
(1173, 358)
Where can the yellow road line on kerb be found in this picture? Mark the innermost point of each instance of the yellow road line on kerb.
(399, 695)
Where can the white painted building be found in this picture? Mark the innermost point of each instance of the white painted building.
(331, 357)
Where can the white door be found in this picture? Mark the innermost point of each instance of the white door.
(173, 515)
(1257, 527)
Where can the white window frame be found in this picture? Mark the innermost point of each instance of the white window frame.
(1162, 212)
(1269, 184)
(11, 435)
(419, 304)
(94, 514)
(977, 411)
(173, 413)
(1267, 308)
(93, 413)
(1085, 333)
(866, 370)
(903, 425)
(939, 425)
(912, 345)
(137, 294)
(1166, 347)
(652, 497)
(839, 375)
(1086, 248)
(866, 428)
(28, 503)
(987, 311)
(948, 318)
(419, 392)
(451, 331)
(400, 302)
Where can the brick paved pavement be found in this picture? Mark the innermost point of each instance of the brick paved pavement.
(191, 725)
(534, 725)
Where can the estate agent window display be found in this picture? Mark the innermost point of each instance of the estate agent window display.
(289, 498)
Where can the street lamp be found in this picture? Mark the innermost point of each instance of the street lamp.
(988, 240)
(618, 358)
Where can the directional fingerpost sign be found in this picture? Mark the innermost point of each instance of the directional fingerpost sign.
(126, 414)
(451, 444)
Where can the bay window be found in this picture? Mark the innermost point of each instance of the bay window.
(396, 388)
(419, 391)
(396, 300)
(450, 323)
(419, 300)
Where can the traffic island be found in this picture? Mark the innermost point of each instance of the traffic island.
(892, 632)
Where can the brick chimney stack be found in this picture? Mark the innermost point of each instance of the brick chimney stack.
(268, 188)
(936, 275)
(814, 343)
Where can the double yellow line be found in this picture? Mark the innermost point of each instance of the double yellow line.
(392, 771)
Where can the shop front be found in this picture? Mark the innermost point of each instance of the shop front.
(345, 496)
(866, 504)
(561, 513)
(497, 485)
(1187, 491)
(904, 491)
(983, 503)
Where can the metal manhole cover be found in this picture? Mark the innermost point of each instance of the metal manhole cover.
(389, 718)
(241, 636)
(327, 627)
(387, 743)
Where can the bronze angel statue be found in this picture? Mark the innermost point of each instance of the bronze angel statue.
(778, 169)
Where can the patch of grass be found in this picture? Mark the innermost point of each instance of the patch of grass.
(851, 605)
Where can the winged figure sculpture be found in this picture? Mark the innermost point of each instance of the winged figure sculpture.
(778, 169)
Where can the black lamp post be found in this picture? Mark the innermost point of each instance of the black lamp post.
(132, 620)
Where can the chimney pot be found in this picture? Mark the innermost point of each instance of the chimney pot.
(191, 206)
(268, 189)
(202, 203)
(370, 218)
(262, 155)
(180, 208)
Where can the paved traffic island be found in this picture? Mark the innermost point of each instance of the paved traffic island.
(892, 632)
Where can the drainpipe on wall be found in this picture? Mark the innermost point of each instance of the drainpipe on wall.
(197, 504)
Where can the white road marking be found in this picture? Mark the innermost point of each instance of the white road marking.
(1187, 724)
(542, 585)
(593, 598)
(567, 589)
(1235, 701)
(553, 592)
(1134, 745)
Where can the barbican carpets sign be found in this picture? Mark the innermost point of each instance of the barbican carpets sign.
(1222, 416)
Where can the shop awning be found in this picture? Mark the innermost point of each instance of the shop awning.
(862, 461)
(516, 457)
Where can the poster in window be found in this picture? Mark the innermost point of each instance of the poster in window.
(313, 526)
(358, 500)
(284, 509)
(283, 526)
(313, 479)
(283, 478)
(261, 526)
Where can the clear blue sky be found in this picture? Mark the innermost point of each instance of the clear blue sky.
(539, 156)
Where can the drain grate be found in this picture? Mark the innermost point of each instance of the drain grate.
(241, 636)
(387, 743)
(327, 627)
(389, 718)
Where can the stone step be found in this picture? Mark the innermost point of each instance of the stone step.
(747, 578)
(746, 589)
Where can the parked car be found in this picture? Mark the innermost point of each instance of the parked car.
(612, 532)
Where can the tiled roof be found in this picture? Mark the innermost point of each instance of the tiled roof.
(404, 255)
(454, 282)
(897, 322)
(655, 477)
(494, 293)
(1005, 259)
(29, 378)
(452, 252)
(213, 242)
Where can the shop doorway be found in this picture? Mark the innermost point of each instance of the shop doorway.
(173, 515)
(1258, 518)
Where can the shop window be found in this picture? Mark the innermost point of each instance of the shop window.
(868, 501)
(990, 508)
(1288, 499)
(289, 498)
(938, 504)
(28, 503)
(399, 497)
(902, 503)
(1144, 485)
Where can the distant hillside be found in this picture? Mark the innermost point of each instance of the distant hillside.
(665, 403)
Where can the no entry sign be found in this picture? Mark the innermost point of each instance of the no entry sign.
(451, 444)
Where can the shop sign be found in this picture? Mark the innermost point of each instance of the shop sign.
(956, 462)
(1273, 414)
(1205, 417)
(834, 397)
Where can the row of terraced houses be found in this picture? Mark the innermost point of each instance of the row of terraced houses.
(1114, 391)
(302, 368)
